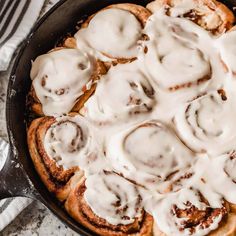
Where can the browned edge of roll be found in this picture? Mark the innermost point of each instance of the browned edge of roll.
(58, 181)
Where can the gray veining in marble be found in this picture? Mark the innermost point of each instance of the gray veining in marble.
(36, 220)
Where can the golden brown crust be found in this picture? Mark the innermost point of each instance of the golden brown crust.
(227, 227)
(212, 15)
(81, 212)
(57, 180)
(233, 207)
(70, 42)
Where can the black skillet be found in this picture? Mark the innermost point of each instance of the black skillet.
(18, 177)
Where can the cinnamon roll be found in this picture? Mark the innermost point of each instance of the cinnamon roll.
(149, 154)
(119, 26)
(108, 205)
(207, 123)
(58, 148)
(211, 15)
(179, 54)
(62, 80)
(188, 213)
(123, 92)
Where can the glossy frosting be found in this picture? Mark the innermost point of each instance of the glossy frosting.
(59, 77)
(114, 37)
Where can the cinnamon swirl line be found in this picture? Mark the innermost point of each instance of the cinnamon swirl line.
(205, 124)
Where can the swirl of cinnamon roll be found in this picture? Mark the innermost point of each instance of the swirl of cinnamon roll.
(207, 123)
(60, 148)
(124, 91)
(148, 153)
(114, 32)
(187, 212)
(211, 15)
(108, 204)
(62, 80)
(179, 54)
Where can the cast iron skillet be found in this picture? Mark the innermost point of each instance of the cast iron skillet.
(18, 177)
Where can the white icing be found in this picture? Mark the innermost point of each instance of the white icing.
(70, 142)
(194, 10)
(180, 53)
(227, 48)
(213, 185)
(113, 198)
(173, 225)
(109, 33)
(127, 92)
(207, 124)
(148, 154)
(59, 77)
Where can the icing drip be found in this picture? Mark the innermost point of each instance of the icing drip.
(59, 77)
(110, 26)
(122, 202)
(207, 124)
(127, 92)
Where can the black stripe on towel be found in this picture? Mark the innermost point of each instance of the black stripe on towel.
(5, 205)
(18, 21)
(2, 4)
(9, 18)
(4, 11)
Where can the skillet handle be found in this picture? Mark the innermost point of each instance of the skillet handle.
(14, 181)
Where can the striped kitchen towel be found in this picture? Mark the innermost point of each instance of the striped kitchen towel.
(16, 20)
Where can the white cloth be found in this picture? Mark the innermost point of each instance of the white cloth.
(9, 208)
(16, 20)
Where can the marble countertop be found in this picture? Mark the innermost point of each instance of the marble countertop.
(36, 219)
